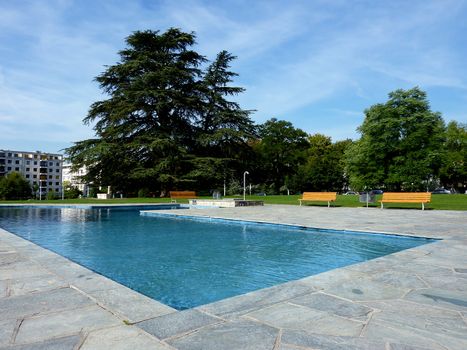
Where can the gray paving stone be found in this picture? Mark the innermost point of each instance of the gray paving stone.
(245, 303)
(331, 304)
(453, 300)
(454, 283)
(405, 347)
(7, 328)
(420, 316)
(9, 258)
(236, 335)
(399, 279)
(131, 305)
(21, 269)
(65, 343)
(460, 270)
(411, 336)
(290, 316)
(40, 303)
(309, 340)
(121, 338)
(63, 323)
(177, 323)
(40, 283)
(362, 289)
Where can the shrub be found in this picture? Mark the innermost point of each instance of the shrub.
(143, 193)
(14, 186)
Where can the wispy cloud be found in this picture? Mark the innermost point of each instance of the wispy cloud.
(297, 61)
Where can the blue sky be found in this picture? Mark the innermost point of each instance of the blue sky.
(317, 64)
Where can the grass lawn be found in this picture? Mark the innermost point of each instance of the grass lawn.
(442, 202)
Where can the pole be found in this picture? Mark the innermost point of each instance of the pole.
(244, 184)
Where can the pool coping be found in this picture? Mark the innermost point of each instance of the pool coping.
(145, 312)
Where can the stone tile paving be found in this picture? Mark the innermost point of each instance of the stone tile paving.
(411, 300)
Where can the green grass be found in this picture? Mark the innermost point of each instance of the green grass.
(439, 202)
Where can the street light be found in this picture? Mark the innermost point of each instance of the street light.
(244, 184)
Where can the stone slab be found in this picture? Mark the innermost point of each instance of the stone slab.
(42, 303)
(121, 338)
(41, 328)
(177, 323)
(236, 335)
(64, 343)
(333, 305)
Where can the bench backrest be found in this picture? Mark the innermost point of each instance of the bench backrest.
(319, 196)
(419, 197)
(182, 194)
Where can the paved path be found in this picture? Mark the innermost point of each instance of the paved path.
(415, 299)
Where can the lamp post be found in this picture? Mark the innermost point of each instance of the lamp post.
(244, 184)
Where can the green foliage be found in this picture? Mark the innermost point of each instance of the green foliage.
(166, 120)
(324, 166)
(14, 186)
(400, 146)
(454, 169)
(143, 192)
(51, 195)
(70, 191)
(280, 151)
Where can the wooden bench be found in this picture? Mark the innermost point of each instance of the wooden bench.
(406, 197)
(319, 197)
(174, 195)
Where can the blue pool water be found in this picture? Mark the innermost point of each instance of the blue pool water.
(185, 263)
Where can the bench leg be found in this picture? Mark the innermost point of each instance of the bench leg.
(382, 206)
(423, 206)
(329, 204)
(300, 202)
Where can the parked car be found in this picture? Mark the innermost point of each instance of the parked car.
(376, 191)
(441, 191)
(348, 193)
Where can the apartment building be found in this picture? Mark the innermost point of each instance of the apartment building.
(39, 168)
(74, 178)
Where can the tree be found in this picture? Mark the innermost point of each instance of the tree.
(163, 111)
(324, 166)
(454, 169)
(14, 186)
(281, 150)
(400, 146)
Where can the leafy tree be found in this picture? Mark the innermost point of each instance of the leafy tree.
(454, 169)
(324, 166)
(281, 150)
(163, 112)
(70, 191)
(14, 186)
(400, 146)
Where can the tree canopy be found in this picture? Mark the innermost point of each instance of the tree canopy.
(400, 146)
(167, 119)
(14, 186)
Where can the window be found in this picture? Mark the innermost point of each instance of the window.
(50, 176)
(16, 155)
(17, 169)
(9, 161)
(57, 177)
(9, 168)
(16, 161)
(51, 164)
(50, 183)
(27, 176)
(57, 171)
(57, 184)
(57, 190)
(35, 169)
(28, 162)
(28, 169)
(9, 154)
(57, 164)
(34, 176)
(35, 162)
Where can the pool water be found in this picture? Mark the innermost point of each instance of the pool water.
(185, 263)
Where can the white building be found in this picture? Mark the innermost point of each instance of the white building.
(40, 168)
(75, 178)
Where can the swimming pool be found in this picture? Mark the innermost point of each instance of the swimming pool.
(185, 263)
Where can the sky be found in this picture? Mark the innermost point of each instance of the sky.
(318, 63)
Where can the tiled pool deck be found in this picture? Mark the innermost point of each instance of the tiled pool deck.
(415, 299)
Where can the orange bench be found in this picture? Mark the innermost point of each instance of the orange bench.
(319, 197)
(406, 197)
(174, 195)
